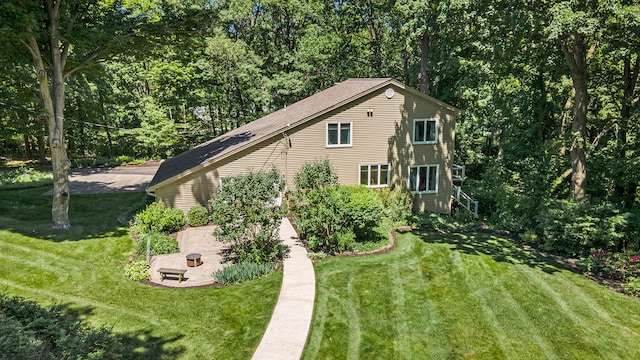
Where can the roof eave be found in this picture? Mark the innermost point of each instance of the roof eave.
(213, 160)
(264, 138)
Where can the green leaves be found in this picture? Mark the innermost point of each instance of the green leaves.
(568, 19)
(248, 213)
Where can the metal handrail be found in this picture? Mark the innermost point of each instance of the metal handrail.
(468, 200)
(458, 172)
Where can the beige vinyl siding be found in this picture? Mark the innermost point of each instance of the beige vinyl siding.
(382, 138)
(441, 153)
(199, 187)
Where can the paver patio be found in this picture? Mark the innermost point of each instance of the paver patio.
(198, 240)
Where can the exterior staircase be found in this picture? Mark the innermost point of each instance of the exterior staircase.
(459, 196)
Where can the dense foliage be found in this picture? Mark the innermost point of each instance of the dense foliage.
(242, 271)
(248, 216)
(314, 175)
(159, 244)
(29, 331)
(198, 216)
(548, 90)
(332, 218)
(397, 203)
(157, 218)
(138, 270)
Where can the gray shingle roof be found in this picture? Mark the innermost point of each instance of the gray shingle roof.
(267, 126)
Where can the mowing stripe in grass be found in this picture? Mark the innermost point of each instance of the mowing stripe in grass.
(319, 322)
(355, 336)
(329, 315)
(583, 322)
(401, 342)
(42, 262)
(14, 266)
(28, 251)
(579, 295)
(478, 293)
(56, 298)
(593, 305)
(584, 310)
(409, 286)
(524, 321)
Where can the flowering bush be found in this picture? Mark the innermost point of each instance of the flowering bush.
(623, 266)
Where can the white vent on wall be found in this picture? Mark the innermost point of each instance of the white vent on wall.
(389, 93)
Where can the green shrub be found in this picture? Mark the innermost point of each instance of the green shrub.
(632, 287)
(320, 214)
(128, 160)
(198, 216)
(159, 244)
(157, 218)
(28, 331)
(242, 271)
(316, 255)
(138, 270)
(577, 228)
(364, 209)
(397, 203)
(247, 217)
(107, 161)
(331, 218)
(317, 174)
(343, 240)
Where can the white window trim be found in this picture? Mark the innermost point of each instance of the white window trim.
(339, 123)
(413, 135)
(369, 175)
(427, 191)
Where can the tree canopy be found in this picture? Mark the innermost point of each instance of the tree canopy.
(548, 89)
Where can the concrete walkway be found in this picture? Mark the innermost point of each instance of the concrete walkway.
(287, 332)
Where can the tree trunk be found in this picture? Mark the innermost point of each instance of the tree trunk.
(425, 84)
(105, 122)
(53, 103)
(27, 146)
(213, 123)
(627, 191)
(575, 51)
(42, 153)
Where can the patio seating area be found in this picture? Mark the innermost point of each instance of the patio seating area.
(191, 241)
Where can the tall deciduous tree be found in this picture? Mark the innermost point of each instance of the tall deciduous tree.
(575, 26)
(62, 37)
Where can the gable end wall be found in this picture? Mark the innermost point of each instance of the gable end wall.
(382, 138)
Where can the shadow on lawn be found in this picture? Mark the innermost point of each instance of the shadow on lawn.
(501, 249)
(27, 212)
(60, 332)
(135, 345)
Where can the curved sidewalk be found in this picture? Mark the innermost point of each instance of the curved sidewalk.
(287, 332)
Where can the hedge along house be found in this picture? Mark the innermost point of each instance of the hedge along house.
(376, 132)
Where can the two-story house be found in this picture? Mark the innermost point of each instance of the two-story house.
(376, 132)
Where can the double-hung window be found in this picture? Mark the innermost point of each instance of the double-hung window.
(425, 131)
(339, 134)
(423, 179)
(374, 175)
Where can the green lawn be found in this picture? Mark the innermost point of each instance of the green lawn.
(471, 296)
(83, 269)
